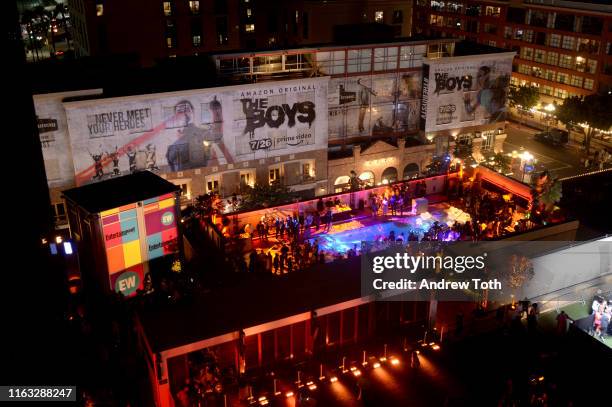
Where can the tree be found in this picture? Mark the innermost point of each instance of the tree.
(61, 10)
(354, 181)
(208, 204)
(592, 111)
(264, 195)
(438, 165)
(502, 162)
(524, 98)
(43, 18)
(546, 192)
(28, 19)
(521, 271)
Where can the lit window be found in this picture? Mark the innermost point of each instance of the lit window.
(249, 12)
(378, 16)
(565, 61)
(588, 83)
(492, 11)
(194, 6)
(568, 42)
(527, 53)
(576, 81)
(196, 40)
(170, 42)
(297, 16)
(249, 28)
(562, 77)
(167, 8)
(555, 40)
(99, 10)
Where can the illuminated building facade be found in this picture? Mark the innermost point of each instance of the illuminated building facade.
(564, 48)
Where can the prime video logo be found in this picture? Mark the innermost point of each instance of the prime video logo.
(404, 261)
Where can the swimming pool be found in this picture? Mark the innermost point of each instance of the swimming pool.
(354, 232)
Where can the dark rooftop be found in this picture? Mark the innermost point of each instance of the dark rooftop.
(115, 192)
(465, 48)
(251, 303)
(339, 43)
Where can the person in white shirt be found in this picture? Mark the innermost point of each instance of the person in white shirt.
(596, 305)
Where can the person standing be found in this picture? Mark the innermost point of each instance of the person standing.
(374, 206)
(562, 323)
(275, 263)
(532, 318)
(252, 261)
(269, 262)
(289, 265)
(131, 154)
(364, 103)
(328, 219)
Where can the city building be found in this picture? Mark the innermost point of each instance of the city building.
(564, 48)
(181, 28)
(306, 117)
(376, 125)
(177, 28)
(321, 20)
(331, 312)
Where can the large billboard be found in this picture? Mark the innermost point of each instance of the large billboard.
(135, 234)
(208, 127)
(374, 104)
(53, 131)
(465, 91)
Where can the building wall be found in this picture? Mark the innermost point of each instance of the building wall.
(292, 338)
(323, 16)
(378, 158)
(539, 33)
(184, 28)
(196, 181)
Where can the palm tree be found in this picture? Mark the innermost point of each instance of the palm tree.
(44, 19)
(551, 195)
(27, 19)
(60, 10)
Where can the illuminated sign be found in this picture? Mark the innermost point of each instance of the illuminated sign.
(465, 91)
(129, 281)
(135, 234)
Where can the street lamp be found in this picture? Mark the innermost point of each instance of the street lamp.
(526, 159)
(550, 108)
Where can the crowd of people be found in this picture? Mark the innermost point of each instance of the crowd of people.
(396, 200)
(600, 160)
(292, 256)
(601, 313)
(204, 379)
(491, 215)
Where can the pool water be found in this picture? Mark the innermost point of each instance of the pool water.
(354, 232)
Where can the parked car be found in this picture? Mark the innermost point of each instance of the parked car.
(554, 137)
